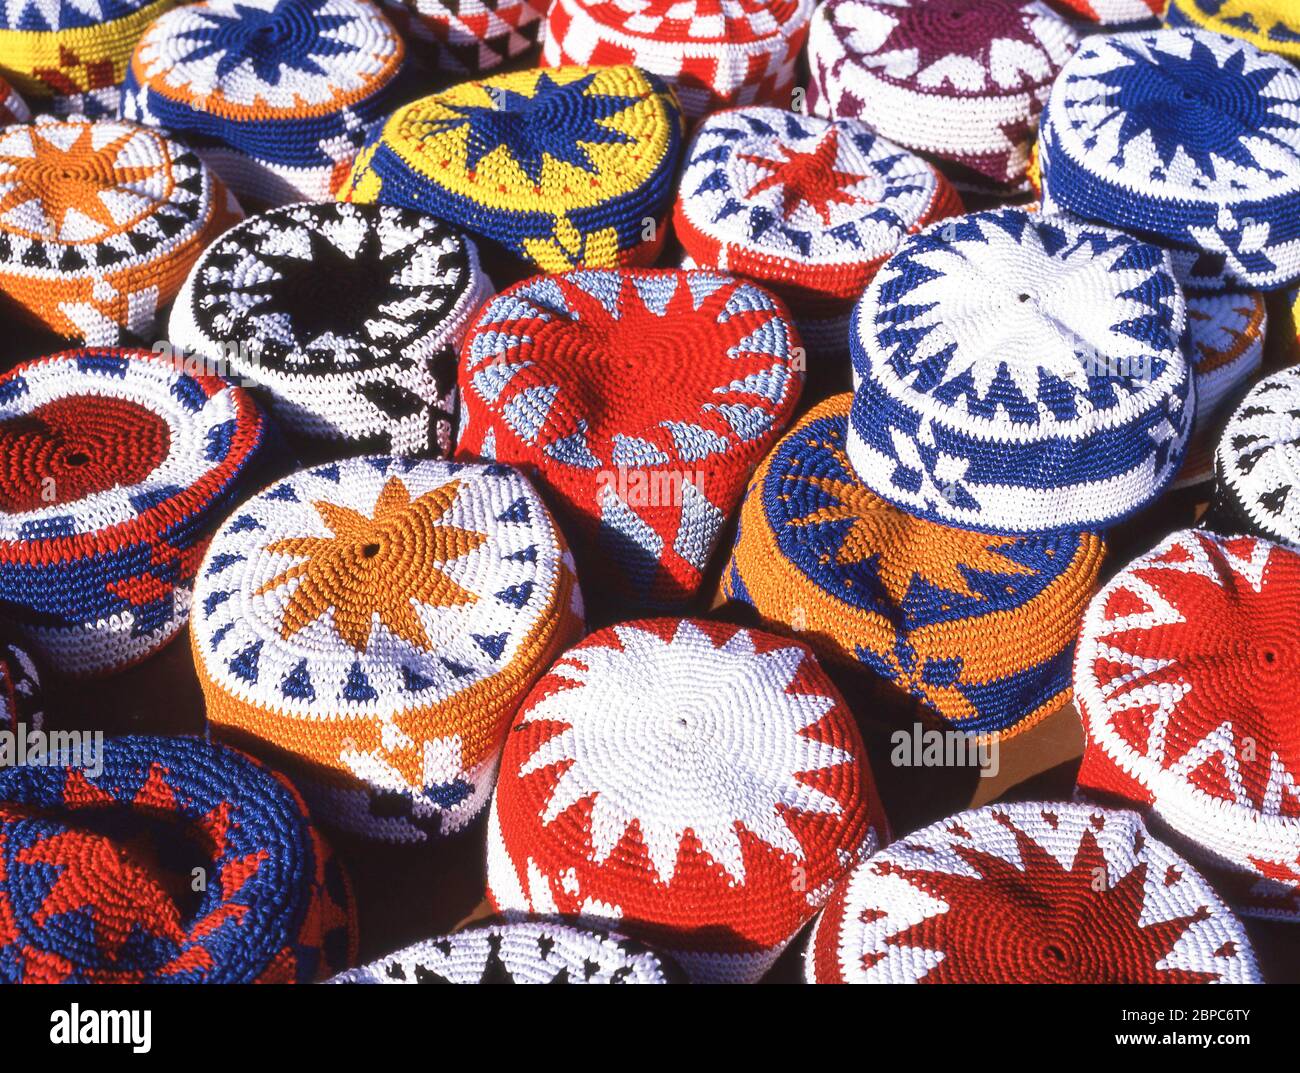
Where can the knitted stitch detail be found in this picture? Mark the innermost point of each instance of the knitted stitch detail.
(1184, 135)
(1020, 374)
(640, 400)
(279, 95)
(525, 952)
(13, 109)
(1273, 25)
(1112, 12)
(714, 53)
(960, 80)
(698, 786)
(348, 316)
(1029, 893)
(1225, 347)
(100, 221)
(1258, 463)
(468, 37)
(114, 468)
(20, 689)
(84, 904)
(808, 206)
(372, 625)
(1187, 676)
(980, 628)
(562, 167)
(71, 56)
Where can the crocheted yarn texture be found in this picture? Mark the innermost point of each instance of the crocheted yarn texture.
(960, 80)
(696, 785)
(1225, 345)
(524, 952)
(85, 903)
(278, 95)
(1273, 25)
(13, 109)
(811, 207)
(99, 222)
(114, 468)
(560, 168)
(640, 400)
(1018, 374)
(980, 628)
(347, 316)
(1187, 677)
(1112, 12)
(715, 53)
(1185, 135)
(71, 55)
(1011, 895)
(1258, 463)
(372, 625)
(20, 689)
(468, 37)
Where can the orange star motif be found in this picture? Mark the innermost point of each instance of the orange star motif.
(875, 526)
(811, 178)
(376, 566)
(73, 178)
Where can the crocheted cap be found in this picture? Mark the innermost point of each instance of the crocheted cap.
(1273, 25)
(1137, 135)
(72, 57)
(115, 466)
(1187, 674)
(347, 316)
(811, 207)
(20, 689)
(1019, 374)
(468, 37)
(99, 222)
(523, 952)
(1258, 463)
(961, 80)
(715, 53)
(86, 906)
(1112, 12)
(697, 784)
(13, 109)
(980, 628)
(640, 400)
(278, 94)
(1010, 894)
(561, 168)
(371, 625)
(1225, 345)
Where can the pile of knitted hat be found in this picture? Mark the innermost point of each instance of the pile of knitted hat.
(1020, 388)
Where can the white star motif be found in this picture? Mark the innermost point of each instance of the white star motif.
(681, 735)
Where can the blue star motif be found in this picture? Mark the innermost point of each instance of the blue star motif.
(288, 36)
(553, 122)
(1194, 104)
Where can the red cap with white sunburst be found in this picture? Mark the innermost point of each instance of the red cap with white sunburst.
(1187, 676)
(1029, 893)
(700, 786)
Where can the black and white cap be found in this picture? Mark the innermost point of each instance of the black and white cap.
(1257, 465)
(523, 952)
(348, 317)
